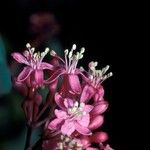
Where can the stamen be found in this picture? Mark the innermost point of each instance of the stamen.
(28, 45)
(52, 53)
(47, 50)
(74, 46)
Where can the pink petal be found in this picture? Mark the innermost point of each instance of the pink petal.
(96, 122)
(99, 108)
(68, 127)
(87, 93)
(45, 65)
(55, 124)
(74, 83)
(99, 137)
(60, 114)
(19, 58)
(88, 108)
(24, 74)
(55, 76)
(39, 76)
(59, 101)
(68, 102)
(99, 94)
(82, 130)
(84, 120)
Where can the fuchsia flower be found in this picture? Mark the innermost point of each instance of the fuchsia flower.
(77, 116)
(33, 72)
(93, 87)
(73, 116)
(69, 71)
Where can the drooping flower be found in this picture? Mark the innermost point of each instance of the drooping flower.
(73, 116)
(69, 70)
(33, 71)
(93, 87)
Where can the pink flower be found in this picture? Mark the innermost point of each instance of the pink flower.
(69, 70)
(33, 72)
(74, 116)
(93, 87)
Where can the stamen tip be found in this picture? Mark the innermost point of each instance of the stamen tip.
(74, 46)
(28, 45)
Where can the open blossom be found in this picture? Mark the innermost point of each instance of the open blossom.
(33, 71)
(73, 116)
(68, 68)
(93, 87)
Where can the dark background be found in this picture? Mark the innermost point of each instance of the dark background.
(106, 31)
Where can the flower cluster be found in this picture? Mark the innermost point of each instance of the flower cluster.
(73, 111)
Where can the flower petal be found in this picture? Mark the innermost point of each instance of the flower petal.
(60, 114)
(99, 108)
(45, 65)
(96, 122)
(19, 58)
(84, 120)
(88, 108)
(82, 130)
(68, 102)
(55, 76)
(99, 94)
(39, 77)
(68, 127)
(24, 74)
(74, 83)
(59, 101)
(87, 93)
(55, 124)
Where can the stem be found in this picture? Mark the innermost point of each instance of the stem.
(28, 137)
(48, 101)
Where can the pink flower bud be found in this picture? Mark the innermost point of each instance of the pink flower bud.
(96, 122)
(99, 137)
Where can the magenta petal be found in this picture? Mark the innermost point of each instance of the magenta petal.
(88, 108)
(19, 58)
(99, 108)
(68, 102)
(74, 83)
(39, 76)
(24, 74)
(99, 94)
(68, 127)
(87, 93)
(59, 101)
(96, 122)
(82, 130)
(55, 124)
(45, 65)
(84, 121)
(60, 114)
(55, 76)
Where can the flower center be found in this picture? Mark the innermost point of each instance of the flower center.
(77, 110)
